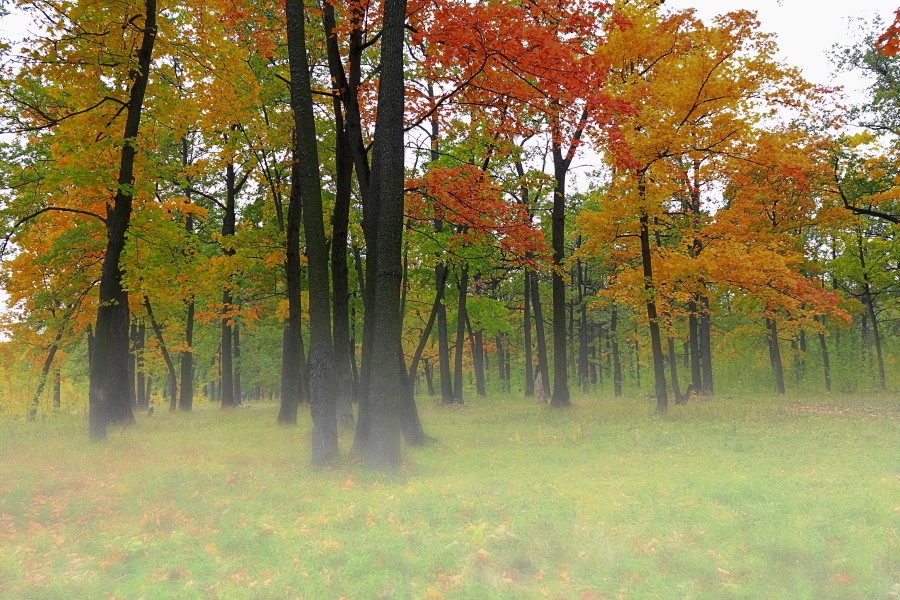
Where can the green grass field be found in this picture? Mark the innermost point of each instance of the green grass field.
(752, 498)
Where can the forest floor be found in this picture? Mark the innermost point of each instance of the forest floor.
(750, 498)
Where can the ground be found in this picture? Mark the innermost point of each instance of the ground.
(730, 498)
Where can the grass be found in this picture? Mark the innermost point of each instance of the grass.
(754, 498)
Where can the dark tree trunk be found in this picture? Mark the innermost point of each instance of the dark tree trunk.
(694, 345)
(614, 353)
(583, 374)
(57, 389)
(229, 220)
(172, 383)
(560, 396)
(293, 361)
(321, 370)
(385, 380)
(440, 277)
(186, 399)
(460, 336)
(226, 353)
(343, 376)
(436, 307)
(826, 361)
(706, 347)
(673, 374)
(543, 363)
(236, 349)
(502, 363)
(775, 355)
(476, 344)
(132, 364)
(109, 399)
(868, 299)
(141, 397)
(659, 367)
(42, 379)
(526, 327)
(429, 376)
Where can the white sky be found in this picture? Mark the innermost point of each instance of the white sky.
(806, 29)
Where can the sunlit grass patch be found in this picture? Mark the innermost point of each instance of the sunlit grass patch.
(721, 499)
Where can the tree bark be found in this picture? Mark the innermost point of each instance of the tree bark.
(42, 379)
(141, 397)
(320, 368)
(614, 352)
(526, 332)
(440, 278)
(476, 344)
(869, 301)
(706, 347)
(560, 397)
(186, 399)
(229, 220)
(236, 349)
(172, 383)
(659, 372)
(108, 399)
(382, 440)
(460, 336)
(293, 362)
(826, 361)
(57, 389)
(775, 355)
(343, 376)
(543, 360)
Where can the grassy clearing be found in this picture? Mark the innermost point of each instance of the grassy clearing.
(726, 499)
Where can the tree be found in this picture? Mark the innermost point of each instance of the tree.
(306, 157)
(37, 109)
(385, 388)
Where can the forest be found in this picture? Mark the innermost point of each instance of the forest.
(444, 299)
(355, 207)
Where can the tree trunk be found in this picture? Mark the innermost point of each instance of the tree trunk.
(673, 374)
(186, 399)
(502, 363)
(440, 277)
(132, 363)
(526, 328)
(141, 397)
(436, 306)
(172, 383)
(869, 301)
(320, 366)
(460, 336)
(694, 344)
(614, 352)
(476, 344)
(429, 376)
(229, 220)
(343, 376)
(382, 438)
(826, 361)
(775, 355)
(583, 374)
(560, 396)
(543, 362)
(57, 389)
(236, 349)
(706, 347)
(659, 368)
(108, 389)
(42, 379)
